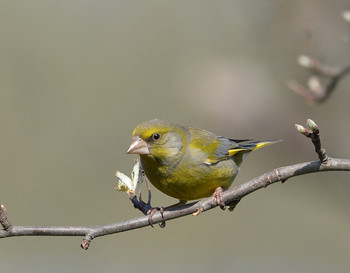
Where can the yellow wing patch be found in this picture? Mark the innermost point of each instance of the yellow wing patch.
(235, 151)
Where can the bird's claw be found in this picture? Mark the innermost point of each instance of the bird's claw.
(151, 212)
(217, 198)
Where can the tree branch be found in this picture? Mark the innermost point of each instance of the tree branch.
(317, 92)
(230, 196)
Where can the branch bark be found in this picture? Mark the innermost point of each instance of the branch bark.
(230, 196)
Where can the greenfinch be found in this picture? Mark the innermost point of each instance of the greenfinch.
(188, 163)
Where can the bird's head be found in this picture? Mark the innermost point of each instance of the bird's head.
(159, 139)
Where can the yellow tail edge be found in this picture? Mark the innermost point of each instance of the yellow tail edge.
(266, 143)
(252, 146)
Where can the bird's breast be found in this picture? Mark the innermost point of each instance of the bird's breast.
(190, 180)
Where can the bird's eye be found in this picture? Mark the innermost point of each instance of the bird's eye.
(156, 136)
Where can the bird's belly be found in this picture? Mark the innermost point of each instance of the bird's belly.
(194, 183)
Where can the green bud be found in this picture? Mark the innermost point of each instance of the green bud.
(301, 129)
(305, 61)
(346, 16)
(312, 125)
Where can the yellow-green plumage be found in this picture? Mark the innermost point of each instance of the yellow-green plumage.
(188, 163)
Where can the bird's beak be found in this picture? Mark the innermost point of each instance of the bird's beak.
(138, 146)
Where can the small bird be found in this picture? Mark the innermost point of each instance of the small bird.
(189, 163)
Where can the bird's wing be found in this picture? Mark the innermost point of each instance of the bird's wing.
(209, 148)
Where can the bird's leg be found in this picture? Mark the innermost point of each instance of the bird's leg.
(152, 210)
(145, 207)
(216, 198)
(161, 210)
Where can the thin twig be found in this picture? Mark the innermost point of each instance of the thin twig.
(317, 92)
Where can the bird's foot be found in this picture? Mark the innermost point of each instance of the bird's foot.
(216, 198)
(151, 212)
(146, 208)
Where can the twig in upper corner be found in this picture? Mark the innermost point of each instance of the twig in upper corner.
(317, 92)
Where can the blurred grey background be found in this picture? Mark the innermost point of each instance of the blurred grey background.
(76, 77)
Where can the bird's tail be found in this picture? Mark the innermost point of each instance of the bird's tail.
(239, 152)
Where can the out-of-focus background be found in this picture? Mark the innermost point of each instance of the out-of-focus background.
(76, 77)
